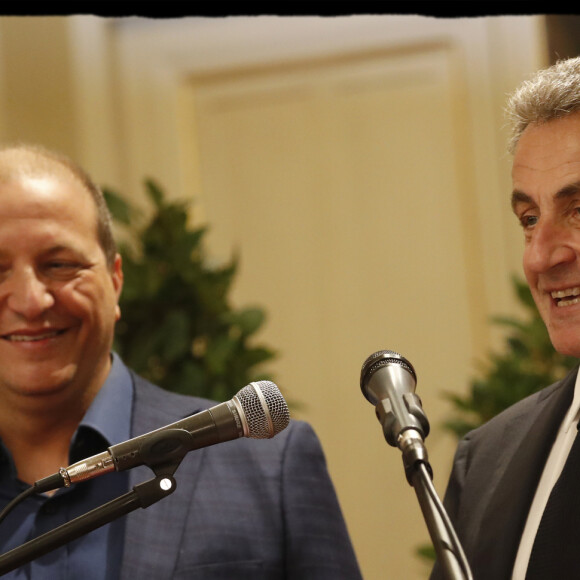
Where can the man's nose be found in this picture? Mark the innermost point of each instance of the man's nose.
(550, 245)
(27, 294)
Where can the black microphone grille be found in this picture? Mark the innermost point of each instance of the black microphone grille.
(380, 359)
(265, 409)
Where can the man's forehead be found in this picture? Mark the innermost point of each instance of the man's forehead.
(44, 214)
(19, 162)
(45, 196)
(539, 136)
(547, 157)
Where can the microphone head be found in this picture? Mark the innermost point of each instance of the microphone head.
(264, 409)
(378, 360)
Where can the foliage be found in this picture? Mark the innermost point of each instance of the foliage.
(527, 364)
(177, 327)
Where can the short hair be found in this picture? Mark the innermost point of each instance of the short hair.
(33, 160)
(551, 93)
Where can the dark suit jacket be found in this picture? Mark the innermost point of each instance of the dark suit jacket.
(244, 509)
(495, 473)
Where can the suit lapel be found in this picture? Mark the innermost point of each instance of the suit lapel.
(518, 477)
(153, 536)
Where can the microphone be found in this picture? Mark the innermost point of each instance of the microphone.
(388, 381)
(257, 411)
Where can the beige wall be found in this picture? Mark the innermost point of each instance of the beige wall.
(356, 163)
(36, 97)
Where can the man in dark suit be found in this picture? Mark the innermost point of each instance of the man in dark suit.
(514, 492)
(260, 509)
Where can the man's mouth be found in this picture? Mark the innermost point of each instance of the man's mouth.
(566, 297)
(36, 337)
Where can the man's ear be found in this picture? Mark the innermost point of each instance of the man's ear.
(117, 277)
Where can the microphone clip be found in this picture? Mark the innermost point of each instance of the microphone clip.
(415, 418)
(408, 438)
(163, 452)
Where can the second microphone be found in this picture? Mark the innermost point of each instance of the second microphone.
(257, 411)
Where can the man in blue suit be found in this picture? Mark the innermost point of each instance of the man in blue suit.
(513, 494)
(259, 509)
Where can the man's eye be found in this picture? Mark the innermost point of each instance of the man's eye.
(60, 268)
(528, 221)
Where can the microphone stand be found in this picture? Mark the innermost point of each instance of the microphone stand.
(141, 496)
(419, 474)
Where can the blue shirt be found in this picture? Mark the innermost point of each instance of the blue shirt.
(94, 556)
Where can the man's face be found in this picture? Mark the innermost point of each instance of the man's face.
(546, 200)
(58, 298)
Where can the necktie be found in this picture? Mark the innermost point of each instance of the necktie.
(556, 549)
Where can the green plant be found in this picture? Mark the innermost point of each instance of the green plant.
(527, 364)
(178, 328)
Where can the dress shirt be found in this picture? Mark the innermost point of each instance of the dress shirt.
(94, 556)
(552, 470)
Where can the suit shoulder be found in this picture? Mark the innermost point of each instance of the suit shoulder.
(162, 399)
(521, 409)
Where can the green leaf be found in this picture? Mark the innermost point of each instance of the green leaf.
(255, 356)
(154, 192)
(119, 208)
(248, 320)
(174, 334)
(427, 553)
(219, 351)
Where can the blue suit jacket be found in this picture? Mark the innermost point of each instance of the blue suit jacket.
(496, 470)
(244, 509)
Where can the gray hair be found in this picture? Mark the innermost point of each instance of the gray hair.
(550, 94)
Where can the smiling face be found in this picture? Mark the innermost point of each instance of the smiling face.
(58, 297)
(546, 200)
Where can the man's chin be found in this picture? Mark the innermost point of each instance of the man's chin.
(568, 345)
(40, 384)
(44, 390)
